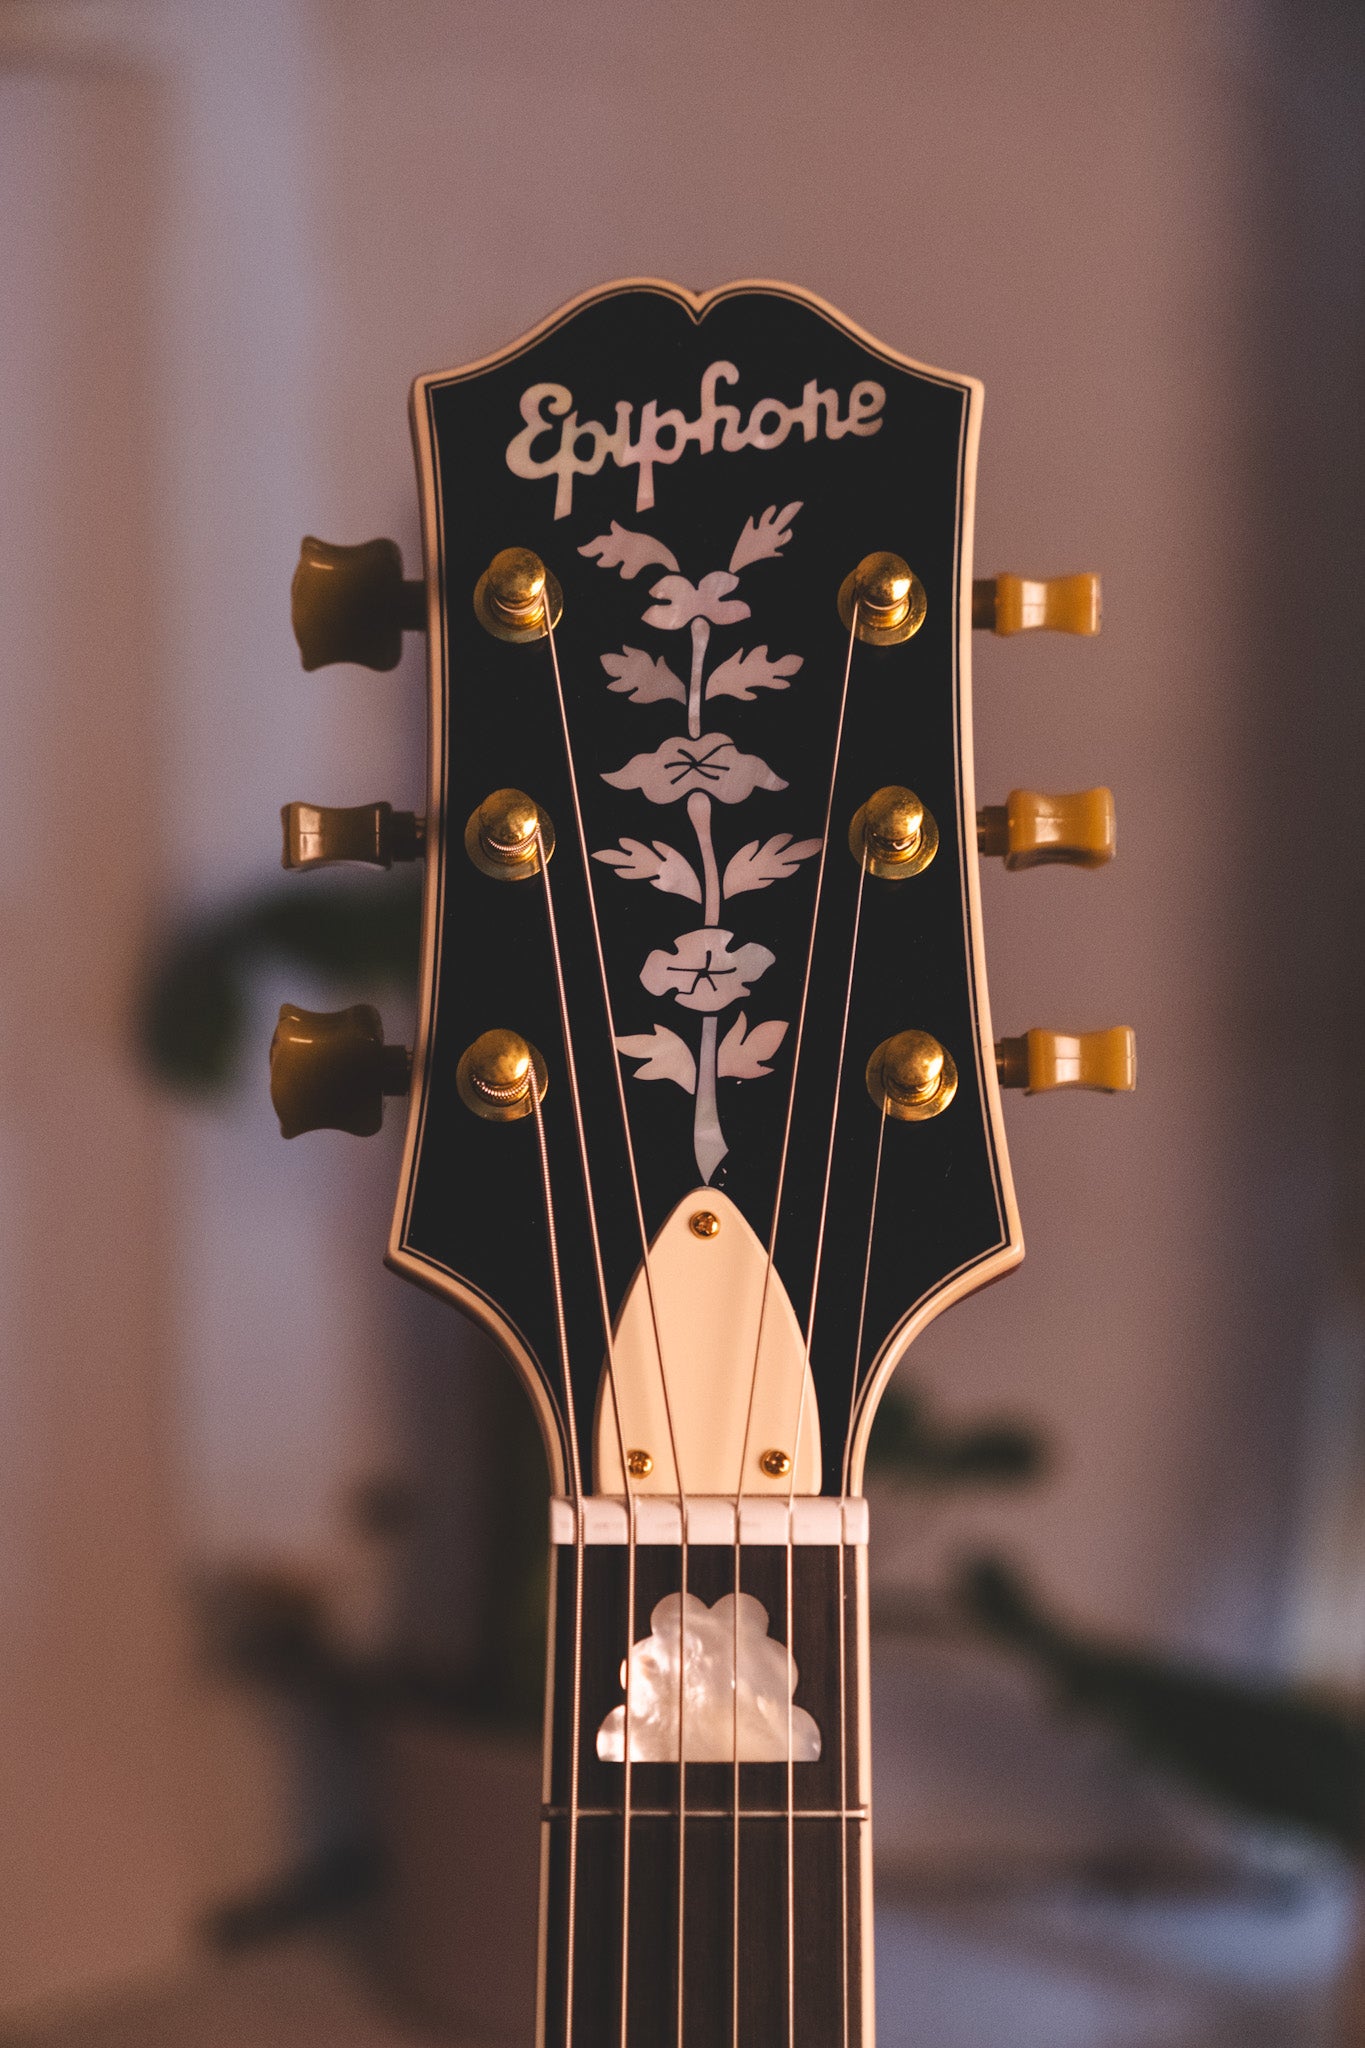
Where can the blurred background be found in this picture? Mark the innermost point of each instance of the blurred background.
(270, 1523)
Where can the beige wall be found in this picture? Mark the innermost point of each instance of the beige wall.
(226, 263)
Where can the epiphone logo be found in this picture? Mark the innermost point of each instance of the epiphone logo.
(584, 445)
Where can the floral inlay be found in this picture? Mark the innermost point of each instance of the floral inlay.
(706, 970)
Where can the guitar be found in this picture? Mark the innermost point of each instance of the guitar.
(704, 1117)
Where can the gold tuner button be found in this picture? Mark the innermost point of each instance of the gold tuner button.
(352, 604)
(318, 837)
(330, 1070)
(887, 597)
(495, 1077)
(507, 836)
(911, 1077)
(1042, 1061)
(894, 834)
(517, 598)
(1032, 830)
(1026, 604)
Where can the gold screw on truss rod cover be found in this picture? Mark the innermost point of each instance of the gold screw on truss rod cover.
(517, 598)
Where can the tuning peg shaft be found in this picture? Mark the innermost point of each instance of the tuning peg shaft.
(1042, 1061)
(330, 1070)
(352, 603)
(1032, 830)
(316, 836)
(1025, 604)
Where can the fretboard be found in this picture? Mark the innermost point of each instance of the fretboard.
(792, 1937)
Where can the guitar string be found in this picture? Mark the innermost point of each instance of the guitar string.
(753, 1382)
(663, 1385)
(800, 1419)
(843, 1583)
(576, 1468)
(571, 1067)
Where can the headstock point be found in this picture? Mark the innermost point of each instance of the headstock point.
(1041, 1062)
(352, 603)
(893, 834)
(911, 1077)
(508, 835)
(330, 1070)
(887, 597)
(496, 1074)
(517, 598)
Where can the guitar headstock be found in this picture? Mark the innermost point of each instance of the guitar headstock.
(705, 1070)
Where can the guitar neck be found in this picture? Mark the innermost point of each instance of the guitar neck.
(749, 1887)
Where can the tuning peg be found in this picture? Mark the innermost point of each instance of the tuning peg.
(330, 1070)
(1032, 830)
(352, 603)
(1023, 604)
(318, 837)
(1042, 1061)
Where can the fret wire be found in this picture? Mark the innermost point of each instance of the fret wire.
(668, 1406)
(859, 1813)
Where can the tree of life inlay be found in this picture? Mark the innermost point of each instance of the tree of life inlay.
(706, 970)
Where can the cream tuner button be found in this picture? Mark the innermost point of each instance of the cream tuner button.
(1027, 604)
(1032, 830)
(317, 836)
(1043, 1061)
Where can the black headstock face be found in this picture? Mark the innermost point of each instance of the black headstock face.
(703, 659)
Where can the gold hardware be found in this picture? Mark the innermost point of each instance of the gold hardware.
(330, 1070)
(895, 834)
(1023, 604)
(352, 603)
(639, 1464)
(889, 599)
(1043, 1061)
(316, 836)
(911, 1077)
(495, 1073)
(512, 595)
(1031, 830)
(704, 1224)
(500, 837)
(776, 1464)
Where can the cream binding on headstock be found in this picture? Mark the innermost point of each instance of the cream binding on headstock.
(705, 1114)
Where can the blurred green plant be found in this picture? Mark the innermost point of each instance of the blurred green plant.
(194, 1002)
(1276, 1752)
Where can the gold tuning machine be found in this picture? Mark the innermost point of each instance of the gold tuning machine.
(887, 598)
(496, 1075)
(893, 834)
(911, 1077)
(330, 1070)
(316, 836)
(1043, 1061)
(353, 604)
(1033, 830)
(1026, 604)
(517, 598)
